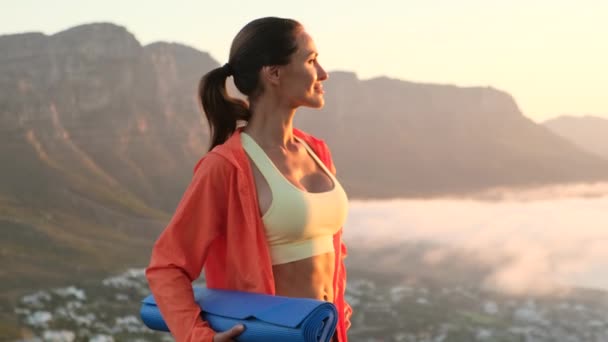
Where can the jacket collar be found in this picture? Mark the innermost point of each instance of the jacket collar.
(233, 150)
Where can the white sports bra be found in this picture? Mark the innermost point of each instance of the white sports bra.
(299, 224)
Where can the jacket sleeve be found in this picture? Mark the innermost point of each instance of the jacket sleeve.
(179, 254)
(348, 310)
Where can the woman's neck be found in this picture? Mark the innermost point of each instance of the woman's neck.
(271, 125)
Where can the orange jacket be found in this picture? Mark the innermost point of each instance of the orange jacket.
(217, 225)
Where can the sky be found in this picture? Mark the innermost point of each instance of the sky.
(551, 55)
(552, 237)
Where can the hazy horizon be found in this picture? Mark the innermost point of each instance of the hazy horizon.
(545, 54)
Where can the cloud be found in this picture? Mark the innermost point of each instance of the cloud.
(545, 240)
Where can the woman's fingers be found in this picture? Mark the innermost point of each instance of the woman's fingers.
(228, 335)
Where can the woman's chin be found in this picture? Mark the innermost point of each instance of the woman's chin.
(317, 105)
(317, 102)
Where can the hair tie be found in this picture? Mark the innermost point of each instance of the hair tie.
(228, 69)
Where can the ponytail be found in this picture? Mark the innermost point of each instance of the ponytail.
(222, 110)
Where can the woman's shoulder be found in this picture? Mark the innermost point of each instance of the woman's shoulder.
(213, 163)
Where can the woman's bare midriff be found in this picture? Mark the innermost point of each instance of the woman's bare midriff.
(307, 278)
(311, 277)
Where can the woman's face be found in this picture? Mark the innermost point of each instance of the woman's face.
(300, 80)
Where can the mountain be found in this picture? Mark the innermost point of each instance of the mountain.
(588, 132)
(395, 138)
(92, 101)
(98, 139)
(99, 134)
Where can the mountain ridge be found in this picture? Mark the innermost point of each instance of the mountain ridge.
(590, 132)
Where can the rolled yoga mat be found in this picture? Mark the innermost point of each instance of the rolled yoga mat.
(265, 317)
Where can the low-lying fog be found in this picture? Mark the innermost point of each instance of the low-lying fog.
(551, 237)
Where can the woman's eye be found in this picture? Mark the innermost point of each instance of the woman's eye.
(312, 61)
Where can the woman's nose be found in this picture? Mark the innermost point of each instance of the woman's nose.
(322, 74)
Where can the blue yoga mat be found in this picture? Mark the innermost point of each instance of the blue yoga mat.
(265, 317)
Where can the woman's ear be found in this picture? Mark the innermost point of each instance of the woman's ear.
(271, 74)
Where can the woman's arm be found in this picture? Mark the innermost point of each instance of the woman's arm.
(180, 252)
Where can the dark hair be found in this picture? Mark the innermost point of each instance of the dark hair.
(262, 42)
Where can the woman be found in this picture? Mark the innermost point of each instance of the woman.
(263, 212)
